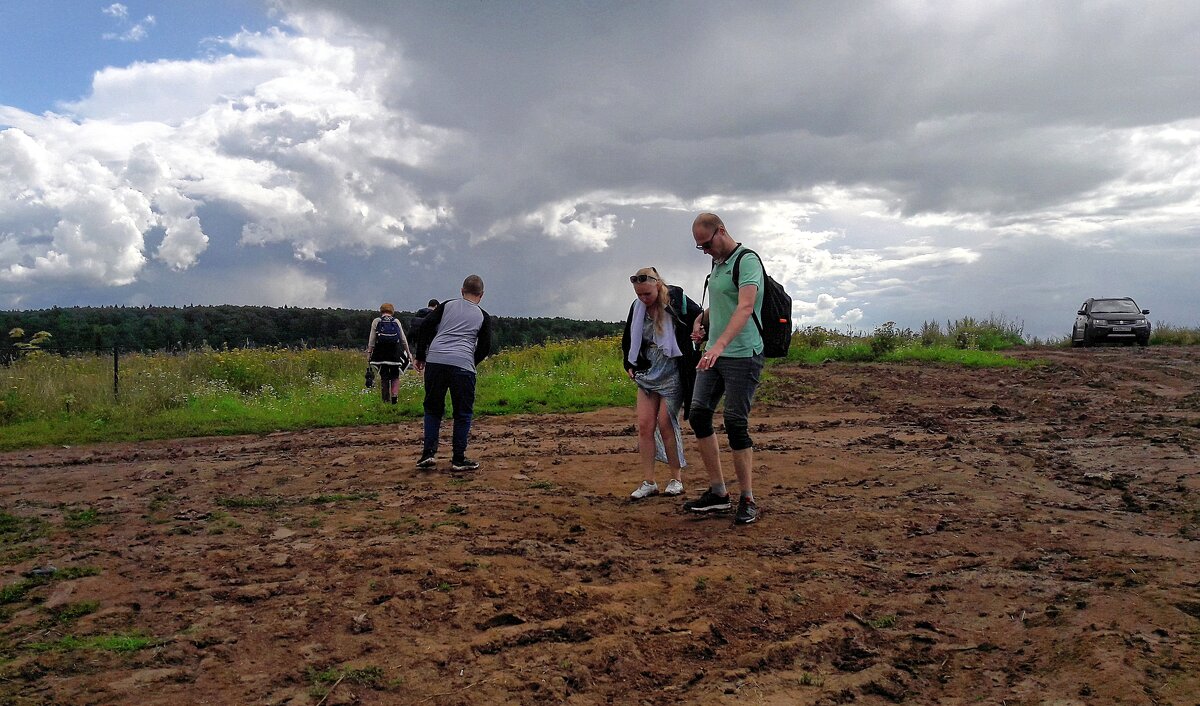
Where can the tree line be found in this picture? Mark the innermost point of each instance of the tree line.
(155, 328)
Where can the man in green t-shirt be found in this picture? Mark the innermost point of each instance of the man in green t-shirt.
(731, 366)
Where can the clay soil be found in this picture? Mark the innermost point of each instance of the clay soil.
(930, 535)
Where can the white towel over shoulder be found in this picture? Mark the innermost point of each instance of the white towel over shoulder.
(664, 339)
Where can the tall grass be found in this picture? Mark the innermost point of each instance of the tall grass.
(1164, 334)
(48, 399)
(815, 344)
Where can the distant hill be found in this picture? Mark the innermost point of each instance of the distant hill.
(181, 328)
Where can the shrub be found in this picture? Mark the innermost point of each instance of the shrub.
(991, 334)
(888, 338)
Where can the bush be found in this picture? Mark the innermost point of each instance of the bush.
(991, 334)
(888, 338)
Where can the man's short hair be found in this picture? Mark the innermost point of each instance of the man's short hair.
(387, 308)
(709, 221)
(432, 303)
(473, 285)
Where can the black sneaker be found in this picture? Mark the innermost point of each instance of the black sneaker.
(464, 464)
(427, 461)
(708, 502)
(747, 512)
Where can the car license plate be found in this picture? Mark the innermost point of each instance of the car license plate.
(1121, 329)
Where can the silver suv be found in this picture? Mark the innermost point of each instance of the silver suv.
(1110, 320)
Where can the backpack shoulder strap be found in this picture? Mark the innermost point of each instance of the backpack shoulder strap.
(737, 262)
(737, 270)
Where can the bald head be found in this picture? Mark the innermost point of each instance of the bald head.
(708, 221)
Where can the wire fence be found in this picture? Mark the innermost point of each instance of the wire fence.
(11, 353)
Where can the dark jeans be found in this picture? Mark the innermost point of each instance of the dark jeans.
(735, 379)
(461, 383)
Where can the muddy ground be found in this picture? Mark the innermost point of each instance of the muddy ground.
(930, 535)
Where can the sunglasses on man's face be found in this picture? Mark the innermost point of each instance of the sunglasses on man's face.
(642, 279)
(708, 243)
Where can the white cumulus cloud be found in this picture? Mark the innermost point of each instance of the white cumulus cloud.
(294, 133)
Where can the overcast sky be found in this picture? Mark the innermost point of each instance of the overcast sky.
(892, 161)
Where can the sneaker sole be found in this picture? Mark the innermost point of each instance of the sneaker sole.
(427, 464)
(636, 498)
(752, 520)
(465, 468)
(710, 508)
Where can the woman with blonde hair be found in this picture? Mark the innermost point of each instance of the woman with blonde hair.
(659, 356)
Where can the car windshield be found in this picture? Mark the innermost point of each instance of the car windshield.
(1114, 306)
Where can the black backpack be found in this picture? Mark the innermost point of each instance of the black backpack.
(414, 327)
(388, 330)
(776, 324)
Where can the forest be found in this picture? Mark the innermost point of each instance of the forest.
(79, 329)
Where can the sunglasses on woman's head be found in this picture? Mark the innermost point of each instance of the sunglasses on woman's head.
(640, 279)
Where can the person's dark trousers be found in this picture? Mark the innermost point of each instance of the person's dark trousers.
(387, 373)
(461, 383)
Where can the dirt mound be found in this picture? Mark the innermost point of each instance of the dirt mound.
(930, 535)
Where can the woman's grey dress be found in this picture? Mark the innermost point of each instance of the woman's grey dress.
(662, 378)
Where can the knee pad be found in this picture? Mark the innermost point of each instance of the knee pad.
(701, 421)
(738, 431)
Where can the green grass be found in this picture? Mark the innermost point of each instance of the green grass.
(323, 680)
(256, 503)
(48, 400)
(13, 592)
(15, 529)
(71, 612)
(80, 519)
(1164, 334)
(342, 497)
(17, 591)
(120, 642)
(883, 621)
(912, 352)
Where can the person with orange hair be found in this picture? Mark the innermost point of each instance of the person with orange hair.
(387, 349)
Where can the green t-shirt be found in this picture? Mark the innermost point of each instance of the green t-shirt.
(723, 300)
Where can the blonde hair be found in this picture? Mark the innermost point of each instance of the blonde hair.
(387, 308)
(657, 310)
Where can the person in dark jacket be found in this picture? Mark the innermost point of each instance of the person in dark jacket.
(660, 357)
(419, 318)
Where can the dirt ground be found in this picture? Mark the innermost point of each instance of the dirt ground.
(930, 535)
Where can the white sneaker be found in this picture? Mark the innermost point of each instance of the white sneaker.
(675, 487)
(645, 490)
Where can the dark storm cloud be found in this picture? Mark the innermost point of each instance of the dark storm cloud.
(892, 160)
